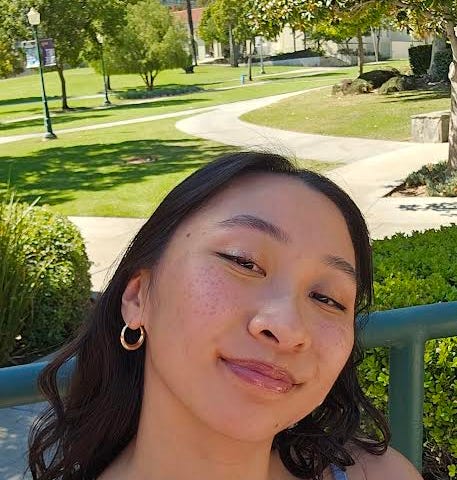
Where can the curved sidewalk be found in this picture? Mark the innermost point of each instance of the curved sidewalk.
(222, 124)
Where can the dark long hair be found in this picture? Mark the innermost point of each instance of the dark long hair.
(82, 432)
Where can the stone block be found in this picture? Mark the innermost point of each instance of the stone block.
(430, 127)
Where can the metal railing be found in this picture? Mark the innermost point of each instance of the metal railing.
(403, 330)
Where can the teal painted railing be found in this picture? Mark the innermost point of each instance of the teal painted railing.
(404, 330)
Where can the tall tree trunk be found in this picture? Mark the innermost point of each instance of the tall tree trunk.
(452, 157)
(360, 51)
(234, 53)
(294, 39)
(63, 86)
(108, 82)
(250, 60)
(375, 46)
(304, 40)
(438, 45)
(191, 32)
(378, 39)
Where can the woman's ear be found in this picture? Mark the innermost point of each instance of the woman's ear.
(134, 299)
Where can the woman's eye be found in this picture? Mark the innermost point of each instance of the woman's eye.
(328, 301)
(243, 262)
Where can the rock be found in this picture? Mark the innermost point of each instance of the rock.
(430, 127)
(378, 77)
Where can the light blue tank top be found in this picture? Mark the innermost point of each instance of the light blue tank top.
(337, 473)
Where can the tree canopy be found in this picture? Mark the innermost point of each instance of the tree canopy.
(149, 42)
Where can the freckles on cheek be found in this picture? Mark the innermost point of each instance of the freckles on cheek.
(206, 295)
(336, 341)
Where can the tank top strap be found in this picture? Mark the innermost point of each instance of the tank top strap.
(337, 473)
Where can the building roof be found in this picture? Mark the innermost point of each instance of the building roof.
(196, 15)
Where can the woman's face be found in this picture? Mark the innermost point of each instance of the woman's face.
(251, 313)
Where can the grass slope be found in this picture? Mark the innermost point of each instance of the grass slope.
(365, 116)
(103, 172)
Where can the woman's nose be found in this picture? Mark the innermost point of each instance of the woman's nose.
(282, 325)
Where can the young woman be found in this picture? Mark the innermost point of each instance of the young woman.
(224, 346)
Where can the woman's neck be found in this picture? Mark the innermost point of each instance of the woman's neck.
(171, 444)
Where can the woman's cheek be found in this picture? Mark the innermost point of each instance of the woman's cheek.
(207, 296)
(335, 340)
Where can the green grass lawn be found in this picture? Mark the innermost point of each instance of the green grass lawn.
(366, 116)
(207, 77)
(104, 172)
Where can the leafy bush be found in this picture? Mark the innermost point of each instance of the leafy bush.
(420, 58)
(378, 77)
(417, 270)
(307, 53)
(394, 84)
(352, 87)
(17, 283)
(49, 271)
(440, 69)
(158, 92)
(437, 178)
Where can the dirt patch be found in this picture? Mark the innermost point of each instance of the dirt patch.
(404, 191)
(141, 160)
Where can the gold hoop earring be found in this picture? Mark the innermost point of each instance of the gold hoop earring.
(132, 346)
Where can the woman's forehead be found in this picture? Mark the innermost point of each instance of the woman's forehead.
(294, 209)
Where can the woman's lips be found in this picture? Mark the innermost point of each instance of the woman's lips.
(263, 375)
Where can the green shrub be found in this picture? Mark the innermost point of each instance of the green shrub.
(441, 64)
(56, 284)
(378, 77)
(133, 94)
(437, 178)
(415, 270)
(393, 85)
(352, 87)
(17, 282)
(420, 58)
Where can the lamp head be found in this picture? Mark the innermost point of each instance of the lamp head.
(34, 17)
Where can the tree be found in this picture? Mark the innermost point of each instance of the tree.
(149, 42)
(227, 21)
(66, 22)
(11, 60)
(12, 29)
(440, 18)
(320, 21)
(190, 23)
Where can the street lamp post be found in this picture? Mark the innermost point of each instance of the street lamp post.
(33, 17)
(100, 40)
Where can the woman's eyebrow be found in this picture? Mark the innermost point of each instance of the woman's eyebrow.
(342, 265)
(256, 223)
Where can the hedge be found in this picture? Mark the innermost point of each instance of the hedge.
(415, 270)
(440, 71)
(420, 58)
(47, 280)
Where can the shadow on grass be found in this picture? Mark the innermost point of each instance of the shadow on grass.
(21, 101)
(304, 76)
(56, 120)
(418, 96)
(59, 174)
(96, 113)
(163, 102)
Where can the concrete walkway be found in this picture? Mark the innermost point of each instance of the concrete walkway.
(372, 169)
(222, 124)
(149, 118)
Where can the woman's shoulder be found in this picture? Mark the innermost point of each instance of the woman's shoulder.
(392, 465)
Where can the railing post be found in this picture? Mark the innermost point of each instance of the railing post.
(406, 399)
